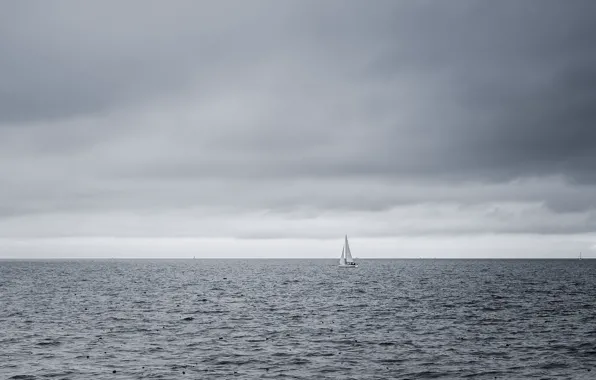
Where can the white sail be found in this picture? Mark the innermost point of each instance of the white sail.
(348, 252)
(342, 259)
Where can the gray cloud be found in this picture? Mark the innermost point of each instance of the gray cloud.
(68, 59)
(299, 105)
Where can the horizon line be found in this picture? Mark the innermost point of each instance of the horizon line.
(288, 258)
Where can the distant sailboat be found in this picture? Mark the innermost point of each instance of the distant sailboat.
(346, 260)
(580, 255)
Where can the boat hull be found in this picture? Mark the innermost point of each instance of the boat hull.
(348, 266)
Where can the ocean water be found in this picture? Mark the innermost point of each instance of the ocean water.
(298, 319)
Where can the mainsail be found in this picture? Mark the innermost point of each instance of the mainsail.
(348, 253)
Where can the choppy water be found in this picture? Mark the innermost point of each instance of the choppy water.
(249, 319)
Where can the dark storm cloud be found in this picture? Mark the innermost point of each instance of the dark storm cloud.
(278, 105)
(511, 89)
(458, 90)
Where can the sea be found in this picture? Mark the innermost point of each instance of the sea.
(297, 319)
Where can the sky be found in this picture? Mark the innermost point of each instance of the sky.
(451, 129)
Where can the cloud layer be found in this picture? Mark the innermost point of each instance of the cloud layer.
(297, 119)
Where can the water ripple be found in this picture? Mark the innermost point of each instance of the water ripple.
(246, 319)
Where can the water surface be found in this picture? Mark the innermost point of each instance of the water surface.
(298, 319)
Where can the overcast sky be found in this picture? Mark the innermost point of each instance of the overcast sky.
(272, 128)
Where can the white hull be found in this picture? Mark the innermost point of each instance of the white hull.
(348, 266)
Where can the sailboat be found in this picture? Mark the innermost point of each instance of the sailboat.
(346, 260)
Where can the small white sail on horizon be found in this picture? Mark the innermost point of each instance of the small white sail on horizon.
(346, 260)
